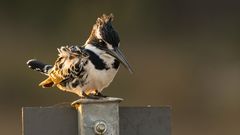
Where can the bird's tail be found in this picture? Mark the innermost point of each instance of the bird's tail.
(39, 66)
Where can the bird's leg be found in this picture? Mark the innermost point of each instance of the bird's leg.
(90, 95)
(99, 94)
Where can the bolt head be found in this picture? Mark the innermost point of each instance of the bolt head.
(100, 127)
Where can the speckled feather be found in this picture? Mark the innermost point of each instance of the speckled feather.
(84, 69)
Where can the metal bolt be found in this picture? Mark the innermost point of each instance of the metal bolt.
(100, 127)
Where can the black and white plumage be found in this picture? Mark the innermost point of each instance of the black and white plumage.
(87, 69)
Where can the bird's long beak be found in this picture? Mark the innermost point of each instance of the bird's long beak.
(119, 56)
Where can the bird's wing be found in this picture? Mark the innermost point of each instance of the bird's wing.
(68, 66)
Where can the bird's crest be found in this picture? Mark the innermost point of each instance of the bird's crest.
(104, 30)
(104, 19)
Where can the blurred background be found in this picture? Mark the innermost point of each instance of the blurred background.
(185, 54)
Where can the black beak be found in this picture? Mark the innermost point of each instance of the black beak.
(119, 56)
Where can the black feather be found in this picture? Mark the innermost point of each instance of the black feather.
(39, 66)
(96, 60)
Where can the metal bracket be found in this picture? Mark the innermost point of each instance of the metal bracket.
(99, 116)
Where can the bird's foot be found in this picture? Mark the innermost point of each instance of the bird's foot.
(98, 94)
(75, 104)
(90, 96)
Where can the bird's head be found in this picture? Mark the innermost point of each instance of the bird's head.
(104, 37)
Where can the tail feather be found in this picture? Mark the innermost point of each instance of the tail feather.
(39, 66)
(47, 83)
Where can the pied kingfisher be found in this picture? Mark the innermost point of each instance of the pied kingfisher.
(88, 69)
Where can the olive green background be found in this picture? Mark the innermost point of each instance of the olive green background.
(185, 54)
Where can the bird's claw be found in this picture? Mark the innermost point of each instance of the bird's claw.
(98, 94)
(90, 96)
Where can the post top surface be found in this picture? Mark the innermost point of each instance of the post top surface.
(101, 100)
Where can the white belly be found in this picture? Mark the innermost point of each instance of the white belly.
(98, 79)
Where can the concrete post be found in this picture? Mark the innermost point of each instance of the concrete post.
(98, 117)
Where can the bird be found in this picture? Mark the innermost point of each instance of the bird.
(88, 69)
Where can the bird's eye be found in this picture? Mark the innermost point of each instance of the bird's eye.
(102, 44)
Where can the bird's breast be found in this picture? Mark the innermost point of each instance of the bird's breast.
(100, 78)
